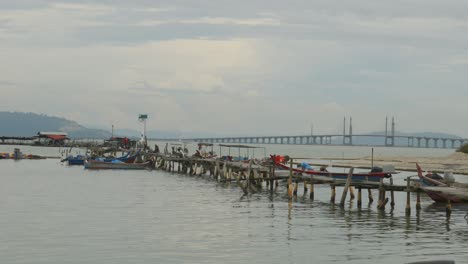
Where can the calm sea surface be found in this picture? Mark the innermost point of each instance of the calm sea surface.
(52, 213)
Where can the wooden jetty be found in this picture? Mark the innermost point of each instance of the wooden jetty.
(252, 177)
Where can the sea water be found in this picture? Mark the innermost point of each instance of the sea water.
(54, 213)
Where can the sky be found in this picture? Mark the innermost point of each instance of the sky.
(239, 67)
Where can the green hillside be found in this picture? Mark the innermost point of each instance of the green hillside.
(29, 124)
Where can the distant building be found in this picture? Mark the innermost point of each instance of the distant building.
(52, 138)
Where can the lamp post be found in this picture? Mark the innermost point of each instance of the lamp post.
(142, 118)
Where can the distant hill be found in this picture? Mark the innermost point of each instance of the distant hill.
(29, 124)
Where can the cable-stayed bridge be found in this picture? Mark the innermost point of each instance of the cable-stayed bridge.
(347, 138)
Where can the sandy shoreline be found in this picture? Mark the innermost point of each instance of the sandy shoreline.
(457, 162)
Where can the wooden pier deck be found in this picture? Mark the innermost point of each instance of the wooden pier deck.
(252, 177)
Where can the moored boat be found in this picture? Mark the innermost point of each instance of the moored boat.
(440, 191)
(75, 160)
(98, 165)
(127, 158)
(374, 176)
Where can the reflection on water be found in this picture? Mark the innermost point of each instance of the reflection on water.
(53, 213)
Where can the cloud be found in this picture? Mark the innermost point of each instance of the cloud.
(254, 63)
(214, 21)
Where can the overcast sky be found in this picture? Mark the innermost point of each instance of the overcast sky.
(239, 67)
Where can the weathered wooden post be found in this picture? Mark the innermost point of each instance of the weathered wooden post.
(190, 167)
(249, 171)
(448, 209)
(392, 195)
(289, 187)
(359, 197)
(244, 188)
(296, 185)
(230, 174)
(351, 193)
(418, 200)
(217, 170)
(371, 199)
(408, 197)
(346, 187)
(333, 193)
(305, 187)
(270, 178)
(272, 171)
(311, 196)
(225, 171)
(381, 204)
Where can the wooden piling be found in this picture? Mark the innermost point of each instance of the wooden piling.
(272, 174)
(392, 195)
(296, 185)
(351, 193)
(346, 187)
(290, 189)
(224, 173)
(239, 183)
(418, 200)
(190, 167)
(408, 197)
(311, 195)
(448, 209)
(371, 199)
(333, 193)
(290, 176)
(359, 197)
(382, 200)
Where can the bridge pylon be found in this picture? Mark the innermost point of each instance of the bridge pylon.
(390, 139)
(348, 139)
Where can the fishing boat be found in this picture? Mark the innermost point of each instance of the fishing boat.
(17, 155)
(127, 158)
(375, 175)
(77, 160)
(116, 164)
(441, 190)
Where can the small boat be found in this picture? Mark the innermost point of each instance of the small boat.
(77, 160)
(440, 191)
(116, 164)
(375, 175)
(17, 155)
(126, 158)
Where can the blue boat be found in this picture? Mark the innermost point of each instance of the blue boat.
(77, 160)
(126, 158)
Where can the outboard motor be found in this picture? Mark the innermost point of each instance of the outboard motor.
(448, 177)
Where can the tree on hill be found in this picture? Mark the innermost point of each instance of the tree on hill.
(463, 149)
